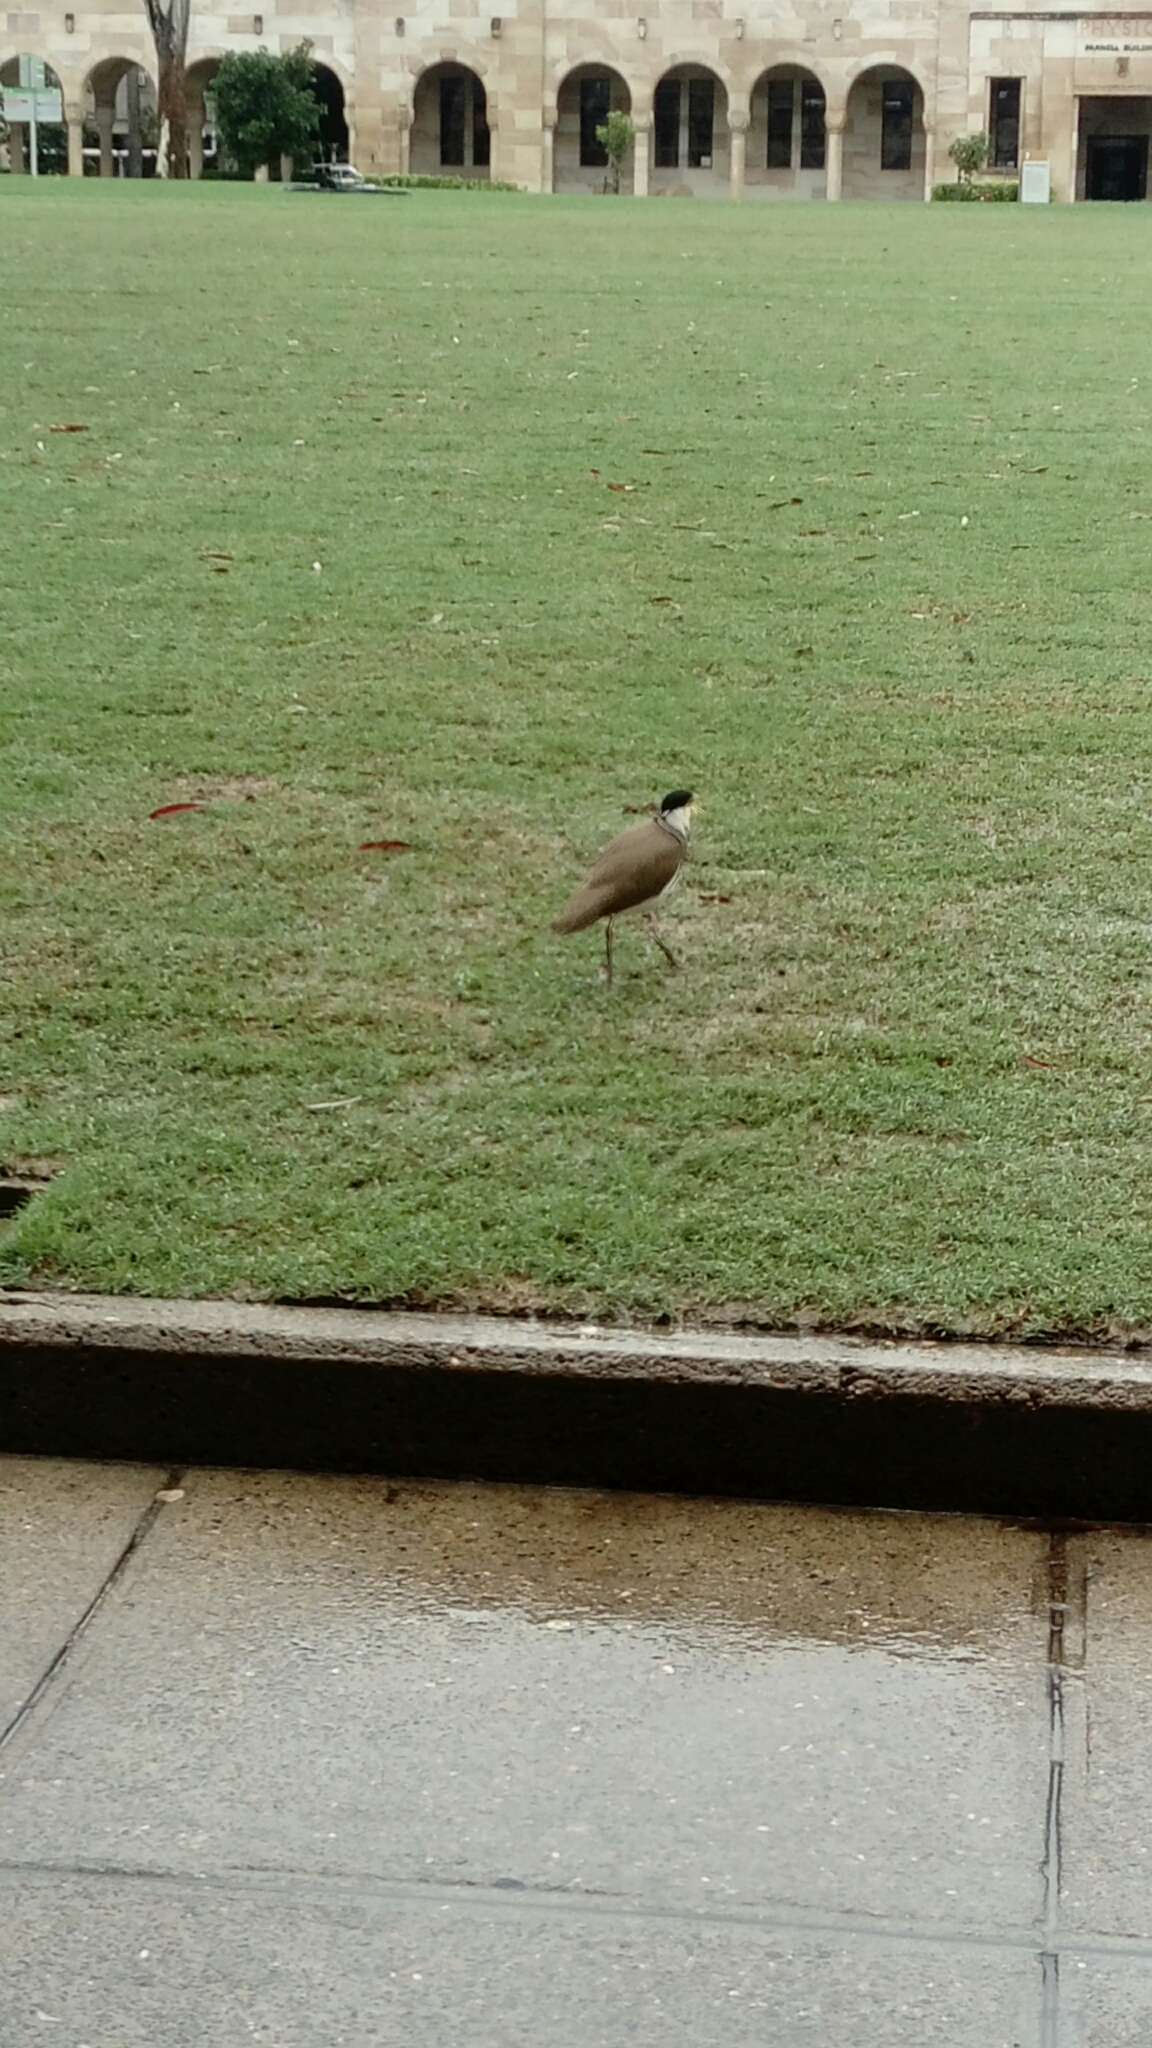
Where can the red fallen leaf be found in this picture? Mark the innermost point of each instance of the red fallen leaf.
(944, 1059)
(715, 899)
(170, 810)
(593, 472)
(621, 487)
(1030, 1062)
(69, 427)
(385, 846)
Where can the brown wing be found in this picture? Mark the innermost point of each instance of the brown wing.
(632, 870)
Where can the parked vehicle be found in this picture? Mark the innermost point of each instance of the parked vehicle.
(339, 178)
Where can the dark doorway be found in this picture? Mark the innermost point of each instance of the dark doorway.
(1116, 167)
(332, 135)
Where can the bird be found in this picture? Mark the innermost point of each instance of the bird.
(633, 873)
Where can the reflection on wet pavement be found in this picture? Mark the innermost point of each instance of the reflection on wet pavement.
(336, 1761)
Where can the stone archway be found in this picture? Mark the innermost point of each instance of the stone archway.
(586, 97)
(787, 139)
(332, 141)
(691, 142)
(42, 148)
(884, 137)
(121, 129)
(450, 136)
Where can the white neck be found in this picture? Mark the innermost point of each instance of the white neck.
(678, 822)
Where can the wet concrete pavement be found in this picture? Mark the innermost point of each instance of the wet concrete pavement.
(305, 1761)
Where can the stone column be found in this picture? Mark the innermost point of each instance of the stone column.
(17, 154)
(366, 137)
(195, 138)
(404, 139)
(104, 120)
(1071, 166)
(548, 155)
(833, 155)
(75, 118)
(737, 152)
(641, 158)
(929, 161)
(493, 142)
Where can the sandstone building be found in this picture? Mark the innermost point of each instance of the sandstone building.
(800, 100)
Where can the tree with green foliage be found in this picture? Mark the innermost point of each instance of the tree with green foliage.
(969, 153)
(615, 136)
(265, 106)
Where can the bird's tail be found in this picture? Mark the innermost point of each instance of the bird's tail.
(580, 911)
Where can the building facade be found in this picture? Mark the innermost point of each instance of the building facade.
(798, 100)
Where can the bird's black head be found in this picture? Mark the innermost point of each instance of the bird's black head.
(676, 800)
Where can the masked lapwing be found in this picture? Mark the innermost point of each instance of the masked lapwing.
(633, 874)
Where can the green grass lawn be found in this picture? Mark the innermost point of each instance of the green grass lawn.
(339, 554)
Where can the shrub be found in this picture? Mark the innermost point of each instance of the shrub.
(615, 137)
(421, 182)
(969, 153)
(988, 194)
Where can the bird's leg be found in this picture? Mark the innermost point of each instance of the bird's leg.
(657, 934)
(608, 952)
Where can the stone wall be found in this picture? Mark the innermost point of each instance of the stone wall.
(524, 56)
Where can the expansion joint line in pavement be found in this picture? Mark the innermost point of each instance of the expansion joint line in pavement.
(1065, 1610)
(55, 1669)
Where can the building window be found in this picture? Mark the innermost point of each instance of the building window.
(701, 100)
(595, 103)
(896, 127)
(811, 125)
(666, 124)
(1004, 122)
(452, 91)
(780, 97)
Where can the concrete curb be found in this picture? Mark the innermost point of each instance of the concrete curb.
(1057, 1434)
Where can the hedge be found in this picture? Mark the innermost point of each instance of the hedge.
(421, 183)
(990, 194)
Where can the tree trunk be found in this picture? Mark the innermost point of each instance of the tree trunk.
(135, 157)
(172, 101)
(168, 20)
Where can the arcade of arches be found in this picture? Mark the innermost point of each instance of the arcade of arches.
(111, 128)
(853, 108)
